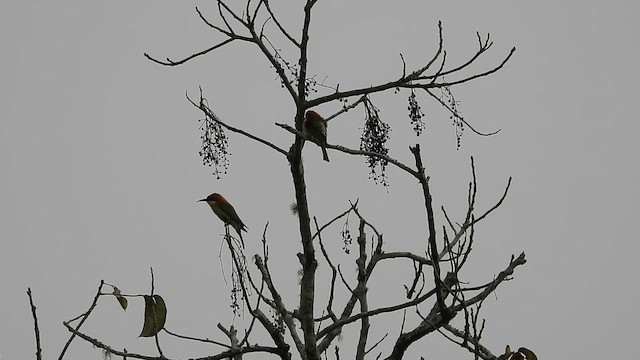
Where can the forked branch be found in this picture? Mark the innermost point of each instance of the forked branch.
(417, 79)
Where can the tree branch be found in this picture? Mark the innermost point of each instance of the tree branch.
(477, 348)
(170, 62)
(414, 79)
(334, 272)
(467, 79)
(280, 308)
(457, 115)
(209, 341)
(318, 230)
(405, 254)
(211, 115)
(471, 221)
(361, 291)
(229, 32)
(502, 276)
(282, 30)
(125, 354)
(35, 325)
(433, 249)
(84, 318)
(347, 150)
(434, 320)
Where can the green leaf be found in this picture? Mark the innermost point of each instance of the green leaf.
(155, 314)
(121, 299)
(528, 353)
(161, 311)
(148, 329)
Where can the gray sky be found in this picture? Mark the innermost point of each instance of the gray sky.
(99, 151)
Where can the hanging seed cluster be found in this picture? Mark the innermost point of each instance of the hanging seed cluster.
(415, 114)
(214, 150)
(456, 115)
(346, 236)
(374, 139)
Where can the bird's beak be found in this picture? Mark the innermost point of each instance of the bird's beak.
(201, 200)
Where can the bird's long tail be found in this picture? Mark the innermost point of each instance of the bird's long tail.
(325, 156)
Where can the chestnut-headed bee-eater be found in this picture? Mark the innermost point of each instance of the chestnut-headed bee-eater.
(226, 213)
(315, 127)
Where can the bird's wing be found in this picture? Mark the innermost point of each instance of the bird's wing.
(233, 215)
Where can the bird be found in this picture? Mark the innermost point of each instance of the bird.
(226, 213)
(315, 127)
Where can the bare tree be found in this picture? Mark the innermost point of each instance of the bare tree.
(310, 329)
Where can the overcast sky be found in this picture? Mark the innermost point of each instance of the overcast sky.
(100, 167)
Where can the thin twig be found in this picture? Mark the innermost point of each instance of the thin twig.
(376, 344)
(347, 108)
(230, 33)
(371, 313)
(502, 276)
(484, 352)
(125, 354)
(35, 325)
(204, 108)
(209, 341)
(338, 217)
(334, 272)
(155, 326)
(282, 30)
(277, 299)
(347, 150)
(84, 318)
(170, 62)
(458, 116)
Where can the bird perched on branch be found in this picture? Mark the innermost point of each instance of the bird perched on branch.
(226, 213)
(315, 127)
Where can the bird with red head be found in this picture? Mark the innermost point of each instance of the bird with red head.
(226, 213)
(315, 127)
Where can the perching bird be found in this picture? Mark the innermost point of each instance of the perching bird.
(315, 127)
(226, 213)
